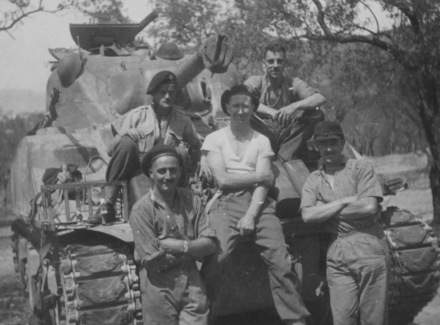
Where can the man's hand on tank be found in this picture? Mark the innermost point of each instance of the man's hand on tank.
(246, 225)
(172, 246)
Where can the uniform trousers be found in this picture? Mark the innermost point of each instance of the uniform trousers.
(223, 217)
(357, 274)
(124, 160)
(174, 297)
(289, 142)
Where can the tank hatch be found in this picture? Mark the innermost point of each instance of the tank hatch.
(92, 36)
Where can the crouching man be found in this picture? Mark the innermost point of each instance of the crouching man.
(345, 193)
(170, 233)
(240, 161)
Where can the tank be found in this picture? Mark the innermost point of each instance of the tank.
(75, 273)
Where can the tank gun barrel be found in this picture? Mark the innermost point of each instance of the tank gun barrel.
(147, 20)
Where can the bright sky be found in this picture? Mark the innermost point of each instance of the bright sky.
(24, 56)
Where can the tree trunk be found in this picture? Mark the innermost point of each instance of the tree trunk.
(427, 89)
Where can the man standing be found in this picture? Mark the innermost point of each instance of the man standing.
(140, 129)
(240, 161)
(170, 233)
(345, 193)
(288, 111)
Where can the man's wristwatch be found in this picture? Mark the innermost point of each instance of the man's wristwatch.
(185, 247)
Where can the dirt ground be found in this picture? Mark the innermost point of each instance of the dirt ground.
(14, 309)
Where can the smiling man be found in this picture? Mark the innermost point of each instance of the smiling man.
(146, 126)
(240, 160)
(170, 233)
(288, 112)
(345, 193)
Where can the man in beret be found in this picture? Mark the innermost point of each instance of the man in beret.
(288, 112)
(170, 233)
(240, 161)
(345, 193)
(146, 126)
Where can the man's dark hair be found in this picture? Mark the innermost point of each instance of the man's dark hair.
(274, 47)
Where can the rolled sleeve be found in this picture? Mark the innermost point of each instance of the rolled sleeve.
(265, 149)
(201, 225)
(309, 196)
(367, 182)
(144, 234)
(210, 144)
(302, 89)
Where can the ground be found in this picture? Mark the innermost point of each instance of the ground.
(14, 309)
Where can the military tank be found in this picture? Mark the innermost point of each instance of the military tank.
(75, 273)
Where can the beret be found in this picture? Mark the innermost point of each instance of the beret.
(159, 79)
(169, 51)
(156, 152)
(237, 89)
(328, 130)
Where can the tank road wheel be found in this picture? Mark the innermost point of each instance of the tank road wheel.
(415, 261)
(100, 285)
(19, 264)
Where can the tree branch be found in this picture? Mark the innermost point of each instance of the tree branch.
(406, 10)
(23, 14)
(374, 16)
(374, 40)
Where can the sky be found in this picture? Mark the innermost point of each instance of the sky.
(24, 55)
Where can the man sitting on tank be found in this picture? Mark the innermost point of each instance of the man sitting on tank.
(288, 112)
(144, 127)
(170, 233)
(346, 193)
(240, 161)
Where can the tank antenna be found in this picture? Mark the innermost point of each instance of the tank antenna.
(79, 47)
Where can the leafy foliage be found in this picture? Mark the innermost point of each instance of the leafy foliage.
(12, 130)
(187, 22)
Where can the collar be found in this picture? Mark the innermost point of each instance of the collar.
(344, 163)
(153, 106)
(156, 200)
(269, 84)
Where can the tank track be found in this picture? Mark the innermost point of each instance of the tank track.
(100, 285)
(415, 261)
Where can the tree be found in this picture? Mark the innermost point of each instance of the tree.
(187, 22)
(18, 10)
(411, 39)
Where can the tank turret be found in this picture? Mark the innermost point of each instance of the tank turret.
(108, 76)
